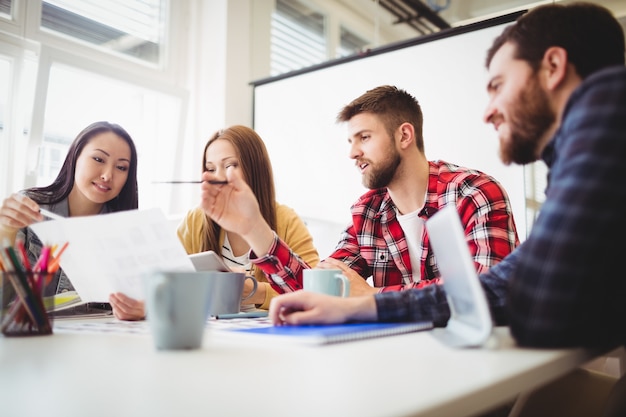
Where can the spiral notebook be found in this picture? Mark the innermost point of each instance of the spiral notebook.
(329, 333)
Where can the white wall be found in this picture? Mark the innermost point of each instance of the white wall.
(226, 45)
(309, 151)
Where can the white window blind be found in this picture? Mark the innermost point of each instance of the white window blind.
(130, 27)
(297, 37)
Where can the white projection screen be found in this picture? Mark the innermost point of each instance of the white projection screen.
(295, 115)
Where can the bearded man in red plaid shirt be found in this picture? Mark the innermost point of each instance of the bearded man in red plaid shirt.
(387, 240)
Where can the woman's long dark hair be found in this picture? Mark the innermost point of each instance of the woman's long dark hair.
(60, 188)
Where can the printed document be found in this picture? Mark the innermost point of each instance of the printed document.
(111, 252)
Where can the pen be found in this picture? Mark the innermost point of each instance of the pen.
(214, 182)
(23, 254)
(25, 263)
(42, 262)
(249, 315)
(53, 264)
(50, 214)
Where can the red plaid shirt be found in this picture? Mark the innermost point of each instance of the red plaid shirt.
(374, 244)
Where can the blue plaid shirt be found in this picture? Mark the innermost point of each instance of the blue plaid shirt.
(565, 285)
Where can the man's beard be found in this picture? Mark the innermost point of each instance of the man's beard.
(382, 175)
(529, 120)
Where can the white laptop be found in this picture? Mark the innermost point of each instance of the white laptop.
(470, 324)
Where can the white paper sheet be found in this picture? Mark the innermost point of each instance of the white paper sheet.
(111, 252)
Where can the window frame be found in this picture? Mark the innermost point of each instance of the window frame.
(22, 148)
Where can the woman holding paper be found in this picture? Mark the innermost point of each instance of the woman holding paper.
(99, 175)
(241, 149)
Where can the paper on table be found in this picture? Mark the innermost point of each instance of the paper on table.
(110, 252)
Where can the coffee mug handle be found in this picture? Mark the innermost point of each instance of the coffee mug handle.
(255, 284)
(162, 297)
(345, 290)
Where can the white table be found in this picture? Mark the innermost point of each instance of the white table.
(69, 375)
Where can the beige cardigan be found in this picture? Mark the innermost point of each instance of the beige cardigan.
(290, 228)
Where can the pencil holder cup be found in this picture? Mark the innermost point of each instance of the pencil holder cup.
(22, 311)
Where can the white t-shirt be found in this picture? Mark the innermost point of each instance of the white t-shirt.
(412, 226)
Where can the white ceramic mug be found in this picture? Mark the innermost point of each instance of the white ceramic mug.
(177, 307)
(326, 281)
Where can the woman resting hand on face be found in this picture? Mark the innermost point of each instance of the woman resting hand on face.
(238, 212)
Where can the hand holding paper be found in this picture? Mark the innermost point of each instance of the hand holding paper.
(110, 252)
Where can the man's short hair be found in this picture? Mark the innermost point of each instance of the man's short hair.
(590, 34)
(394, 107)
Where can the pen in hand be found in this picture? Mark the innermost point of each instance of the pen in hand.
(50, 214)
(213, 182)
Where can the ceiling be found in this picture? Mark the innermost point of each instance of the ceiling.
(428, 16)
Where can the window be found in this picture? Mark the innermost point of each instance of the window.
(297, 37)
(133, 28)
(151, 118)
(350, 43)
(5, 9)
(301, 37)
(536, 180)
(5, 77)
(51, 88)
(17, 85)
